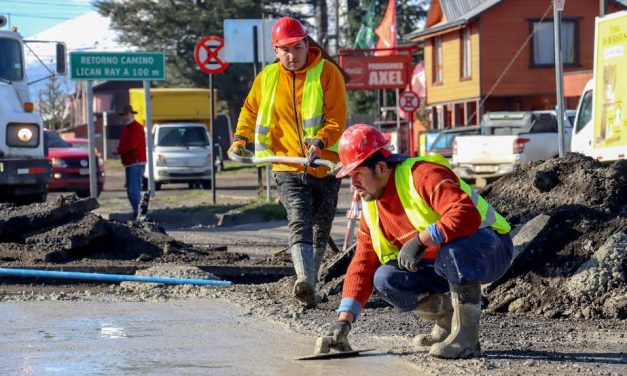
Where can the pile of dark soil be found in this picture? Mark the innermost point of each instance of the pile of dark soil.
(66, 232)
(583, 240)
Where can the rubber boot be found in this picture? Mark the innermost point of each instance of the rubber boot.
(438, 308)
(463, 341)
(305, 267)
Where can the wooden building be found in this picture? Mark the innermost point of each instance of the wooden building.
(498, 55)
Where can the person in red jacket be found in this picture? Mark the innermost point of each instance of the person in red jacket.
(132, 150)
(426, 243)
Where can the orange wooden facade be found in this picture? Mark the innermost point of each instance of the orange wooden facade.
(497, 35)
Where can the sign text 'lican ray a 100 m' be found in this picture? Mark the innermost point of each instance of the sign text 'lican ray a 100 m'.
(138, 66)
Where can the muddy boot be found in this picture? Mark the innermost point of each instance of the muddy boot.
(438, 308)
(305, 267)
(463, 341)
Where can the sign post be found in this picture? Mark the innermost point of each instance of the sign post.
(409, 102)
(117, 66)
(558, 6)
(206, 54)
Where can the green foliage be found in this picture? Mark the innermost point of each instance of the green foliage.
(408, 16)
(175, 26)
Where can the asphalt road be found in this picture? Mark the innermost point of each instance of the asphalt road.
(232, 186)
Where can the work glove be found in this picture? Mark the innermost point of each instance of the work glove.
(315, 152)
(238, 147)
(411, 253)
(339, 331)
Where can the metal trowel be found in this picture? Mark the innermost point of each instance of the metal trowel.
(325, 344)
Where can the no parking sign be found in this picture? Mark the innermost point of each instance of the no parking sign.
(409, 101)
(207, 55)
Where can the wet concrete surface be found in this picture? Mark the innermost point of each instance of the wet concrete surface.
(186, 337)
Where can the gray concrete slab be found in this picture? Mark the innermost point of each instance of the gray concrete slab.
(187, 337)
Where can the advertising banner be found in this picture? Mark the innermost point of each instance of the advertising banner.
(376, 72)
(610, 75)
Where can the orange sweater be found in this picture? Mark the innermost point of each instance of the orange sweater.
(286, 138)
(439, 187)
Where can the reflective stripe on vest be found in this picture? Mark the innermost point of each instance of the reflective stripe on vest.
(311, 107)
(419, 212)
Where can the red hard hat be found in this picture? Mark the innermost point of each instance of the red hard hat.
(287, 30)
(359, 142)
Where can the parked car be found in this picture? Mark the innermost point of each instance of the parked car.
(182, 154)
(80, 143)
(508, 140)
(443, 143)
(70, 166)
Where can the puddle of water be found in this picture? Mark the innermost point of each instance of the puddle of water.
(161, 338)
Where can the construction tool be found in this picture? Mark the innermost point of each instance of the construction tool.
(248, 158)
(325, 344)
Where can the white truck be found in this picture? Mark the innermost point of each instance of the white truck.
(24, 168)
(600, 129)
(508, 140)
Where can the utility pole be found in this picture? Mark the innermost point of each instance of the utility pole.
(602, 7)
(558, 6)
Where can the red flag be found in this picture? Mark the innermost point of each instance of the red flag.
(387, 31)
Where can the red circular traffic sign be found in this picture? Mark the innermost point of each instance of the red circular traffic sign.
(409, 101)
(206, 55)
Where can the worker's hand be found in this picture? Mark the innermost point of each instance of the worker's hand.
(411, 253)
(238, 147)
(339, 331)
(314, 153)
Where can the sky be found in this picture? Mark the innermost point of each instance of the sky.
(34, 16)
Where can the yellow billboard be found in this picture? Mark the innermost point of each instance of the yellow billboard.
(610, 80)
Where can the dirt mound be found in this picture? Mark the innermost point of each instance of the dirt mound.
(583, 239)
(65, 231)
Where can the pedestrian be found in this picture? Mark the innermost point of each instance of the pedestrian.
(132, 150)
(426, 243)
(297, 108)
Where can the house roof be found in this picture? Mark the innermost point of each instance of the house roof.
(459, 12)
(454, 13)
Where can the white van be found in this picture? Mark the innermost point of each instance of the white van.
(182, 154)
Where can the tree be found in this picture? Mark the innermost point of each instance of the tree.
(175, 26)
(52, 105)
(409, 14)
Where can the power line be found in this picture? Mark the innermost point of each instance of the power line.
(40, 16)
(48, 3)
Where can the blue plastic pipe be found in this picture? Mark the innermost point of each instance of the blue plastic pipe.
(110, 277)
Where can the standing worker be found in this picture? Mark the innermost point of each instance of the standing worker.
(132, 150)
(297, 108)
(426, 243)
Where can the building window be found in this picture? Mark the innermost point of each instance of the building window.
(465, 53)
(542, 47)
(436, 43)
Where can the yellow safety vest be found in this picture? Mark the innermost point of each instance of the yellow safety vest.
(419, 213)
(312, 107)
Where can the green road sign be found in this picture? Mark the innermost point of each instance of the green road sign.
(109, 66)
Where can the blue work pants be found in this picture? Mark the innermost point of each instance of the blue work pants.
(134, 175)
(480, 258)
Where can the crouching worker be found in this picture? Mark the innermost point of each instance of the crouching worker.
(426, 243)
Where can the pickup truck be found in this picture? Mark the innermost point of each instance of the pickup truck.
(508, 140)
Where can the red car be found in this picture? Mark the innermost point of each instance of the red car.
(80, 143)
(70, 166)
